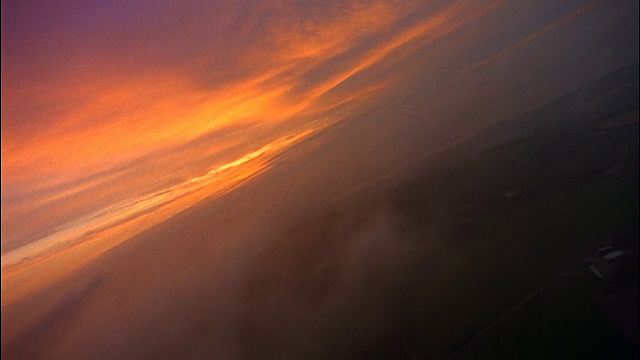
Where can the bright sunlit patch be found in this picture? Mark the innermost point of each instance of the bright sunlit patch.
(117, 223)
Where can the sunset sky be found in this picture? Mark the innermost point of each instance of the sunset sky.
(112, 111)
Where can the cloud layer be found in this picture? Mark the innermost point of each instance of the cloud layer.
(111, 111)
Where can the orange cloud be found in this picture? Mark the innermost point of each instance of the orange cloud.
(89, 236)
(121, 121)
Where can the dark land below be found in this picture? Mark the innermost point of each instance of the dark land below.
(481, 251)
(481, 255)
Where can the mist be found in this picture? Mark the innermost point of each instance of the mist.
(355, 180)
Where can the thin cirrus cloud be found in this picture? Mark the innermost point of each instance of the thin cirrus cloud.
(76, 242)
(217, 181)
(107, 119)
(113, 92)
(111, 110)
(117, 115)
(521, 42)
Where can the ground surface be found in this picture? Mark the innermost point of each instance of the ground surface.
(481, 255)
(476, 253)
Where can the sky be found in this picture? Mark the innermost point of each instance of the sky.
(119, 115)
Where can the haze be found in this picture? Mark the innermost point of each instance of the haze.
(151, 150)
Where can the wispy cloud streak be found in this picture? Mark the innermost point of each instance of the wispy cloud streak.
(215, 182)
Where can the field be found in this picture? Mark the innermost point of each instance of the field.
(478, 256)
(476, 252)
